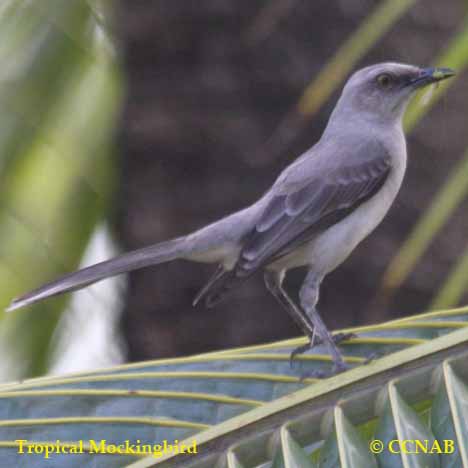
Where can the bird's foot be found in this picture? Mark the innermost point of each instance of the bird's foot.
(372, 357)
(338, 368)
(337, 339)
(299, 350)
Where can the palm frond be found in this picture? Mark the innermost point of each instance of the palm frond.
(248, 400)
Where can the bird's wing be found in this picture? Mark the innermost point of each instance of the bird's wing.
(311, 195)
(293, 216)
(318, 190)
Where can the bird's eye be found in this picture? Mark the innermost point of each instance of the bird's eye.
(385, 80)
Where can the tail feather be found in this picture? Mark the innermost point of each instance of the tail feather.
(141, 258)
(219, 273)
(219, 287)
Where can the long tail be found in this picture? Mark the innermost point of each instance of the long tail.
(147, 256)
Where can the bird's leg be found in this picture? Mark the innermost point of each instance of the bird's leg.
(273, 282)
(309, 294)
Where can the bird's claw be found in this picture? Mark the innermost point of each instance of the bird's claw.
(373, 357)
(299, 350)
(337, 339)
(338, 368)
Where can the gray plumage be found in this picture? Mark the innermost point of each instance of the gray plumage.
(314, 215)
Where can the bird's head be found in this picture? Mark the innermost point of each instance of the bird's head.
(382, 91)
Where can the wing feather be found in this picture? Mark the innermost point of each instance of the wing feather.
(308, 202)
(317, 205)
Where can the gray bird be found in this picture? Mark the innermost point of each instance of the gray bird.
(314, 215)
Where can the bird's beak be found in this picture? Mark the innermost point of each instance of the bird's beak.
(431, 75)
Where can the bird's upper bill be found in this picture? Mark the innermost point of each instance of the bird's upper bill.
(430, 75)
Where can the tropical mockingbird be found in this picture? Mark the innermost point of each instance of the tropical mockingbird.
(314, 215)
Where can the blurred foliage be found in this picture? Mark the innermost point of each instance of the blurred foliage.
(353, 49)
(445, 202)
(60, 92)
(336, 70)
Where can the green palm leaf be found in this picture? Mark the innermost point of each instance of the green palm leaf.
(223, 396)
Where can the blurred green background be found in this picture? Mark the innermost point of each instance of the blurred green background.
(61, 93)
(218, 97)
